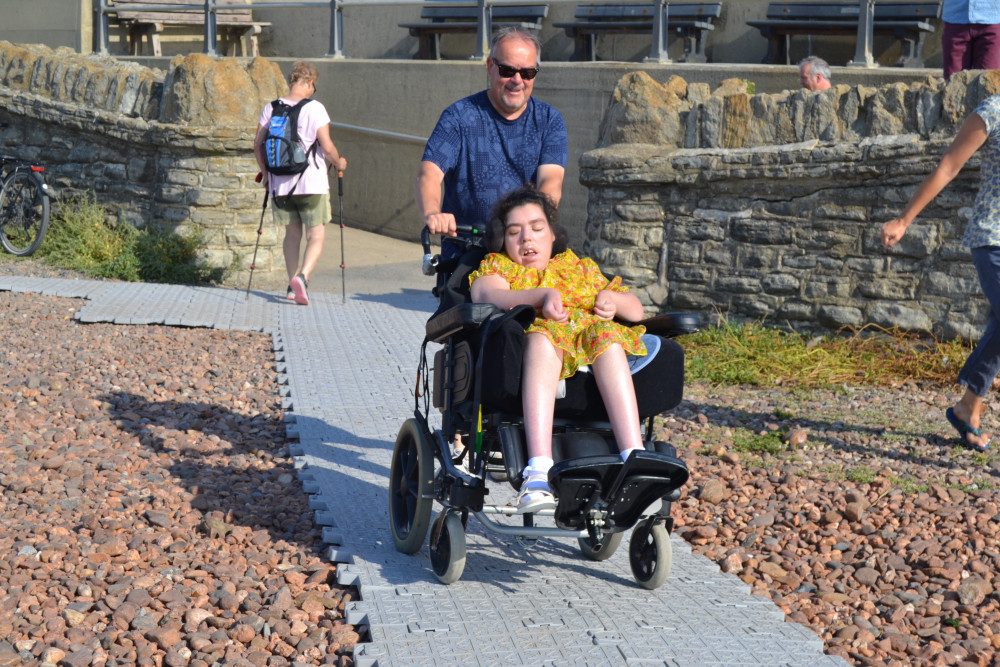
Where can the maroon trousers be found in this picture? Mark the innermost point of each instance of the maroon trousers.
(970, 46)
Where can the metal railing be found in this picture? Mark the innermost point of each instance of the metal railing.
(484, 23)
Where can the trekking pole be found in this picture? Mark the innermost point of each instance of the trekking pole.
(340, 194)
(260, 230)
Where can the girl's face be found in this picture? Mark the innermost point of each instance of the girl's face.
(528, 238)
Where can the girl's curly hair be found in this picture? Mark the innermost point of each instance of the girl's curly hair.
(527, 194)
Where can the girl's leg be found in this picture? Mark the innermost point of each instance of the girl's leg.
(615, 382)
(290, 246)
(539, 382)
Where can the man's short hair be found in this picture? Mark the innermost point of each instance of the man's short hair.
(816, 66)
(517, 33)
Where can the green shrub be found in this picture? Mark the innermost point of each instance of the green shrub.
(81, 238)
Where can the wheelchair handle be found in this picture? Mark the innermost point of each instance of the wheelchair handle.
(430, 262)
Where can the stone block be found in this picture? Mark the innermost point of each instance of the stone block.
(825, 289)
(780, 284)
(908, 317)
(206, 198)
(893, 288)
(757, 257)
(836, 317)
(796, 311)
(738, 284)
(764, 232)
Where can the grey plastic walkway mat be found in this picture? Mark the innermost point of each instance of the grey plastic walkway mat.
(347, 375)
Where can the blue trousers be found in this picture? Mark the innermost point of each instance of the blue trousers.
(983, 364)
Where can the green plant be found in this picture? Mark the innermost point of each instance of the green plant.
(861, 475)
(908, 485)
(768, 443)
(80, 238)
(951, 622)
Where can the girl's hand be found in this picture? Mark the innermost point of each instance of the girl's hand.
(604, 305)
(893, 231)
(552, 306)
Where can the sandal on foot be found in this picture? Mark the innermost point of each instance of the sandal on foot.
(965, 430)
(535, 495)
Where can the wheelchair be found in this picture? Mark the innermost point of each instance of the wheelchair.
(474, 383)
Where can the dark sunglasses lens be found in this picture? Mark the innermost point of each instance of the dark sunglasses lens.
(506, 71)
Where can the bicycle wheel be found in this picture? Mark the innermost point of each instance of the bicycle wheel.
(24, 212)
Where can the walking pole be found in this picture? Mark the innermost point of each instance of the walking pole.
(260, 230)
(340, 193)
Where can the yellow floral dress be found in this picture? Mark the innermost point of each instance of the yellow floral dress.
(584, 336)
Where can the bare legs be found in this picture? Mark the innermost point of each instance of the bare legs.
(292, 244)
(540, 379)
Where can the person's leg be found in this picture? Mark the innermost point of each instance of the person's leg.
(614, 380)
(986, 48)
(315, 213)
(954, 48)
(983, 363)
(290, 247)
(539, 383)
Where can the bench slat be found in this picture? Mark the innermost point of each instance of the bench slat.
(908, 22)
(235, 18)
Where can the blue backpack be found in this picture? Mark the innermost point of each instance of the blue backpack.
(283, 153)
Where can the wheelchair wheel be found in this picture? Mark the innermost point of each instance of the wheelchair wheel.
(608, 547)
(448, 553)
(411, 487)
(650, 554)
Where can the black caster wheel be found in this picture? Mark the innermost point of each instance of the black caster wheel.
(606, 550)
(650, 554)
(411, 487)
(448, 547)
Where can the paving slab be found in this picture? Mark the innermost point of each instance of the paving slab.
(347, 374)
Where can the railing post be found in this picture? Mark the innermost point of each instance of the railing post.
(336, 30)
(661, 28)
(101, 26)
(484, 29)
(211, 29)
(866, 23)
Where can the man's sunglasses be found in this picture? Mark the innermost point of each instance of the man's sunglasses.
(527, 73)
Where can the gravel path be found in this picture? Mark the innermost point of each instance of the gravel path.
(175, 532)
(150, 513)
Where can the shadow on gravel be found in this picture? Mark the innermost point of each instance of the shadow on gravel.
(250, 479)
(734, 417)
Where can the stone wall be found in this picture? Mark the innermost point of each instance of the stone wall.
(172, 149)
(769, 207)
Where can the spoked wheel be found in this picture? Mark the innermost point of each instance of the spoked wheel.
(24, 212)
(411, 487)
(608, 546)
(448, 552)
(650, 554)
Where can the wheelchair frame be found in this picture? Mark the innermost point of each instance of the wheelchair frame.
(494, 448)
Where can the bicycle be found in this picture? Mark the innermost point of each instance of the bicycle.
(24, 205)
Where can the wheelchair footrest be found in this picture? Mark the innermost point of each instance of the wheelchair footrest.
(622, 492)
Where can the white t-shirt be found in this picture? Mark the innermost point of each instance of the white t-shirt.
(315, 179)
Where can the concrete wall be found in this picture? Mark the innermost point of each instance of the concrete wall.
(54, 23)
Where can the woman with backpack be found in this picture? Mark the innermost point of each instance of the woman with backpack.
(293, 138)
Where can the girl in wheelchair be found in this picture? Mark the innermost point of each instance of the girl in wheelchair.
(575, 330)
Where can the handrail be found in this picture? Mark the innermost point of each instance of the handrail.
(484, 23)
(381, 133)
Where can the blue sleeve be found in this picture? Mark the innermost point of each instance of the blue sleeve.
(555, 146)
(445, 143)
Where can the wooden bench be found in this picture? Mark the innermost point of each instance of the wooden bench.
(235, 25)
(450, 18)
(909, 22)
(692, 21)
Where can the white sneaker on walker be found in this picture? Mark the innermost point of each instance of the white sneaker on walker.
(535, 495)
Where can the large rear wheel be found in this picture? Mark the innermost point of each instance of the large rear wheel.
(24, 212)
(411, 487)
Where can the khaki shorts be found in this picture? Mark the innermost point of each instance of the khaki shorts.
(310, 210)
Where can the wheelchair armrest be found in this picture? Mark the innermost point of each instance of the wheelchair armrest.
(671, 325)
(463, 317)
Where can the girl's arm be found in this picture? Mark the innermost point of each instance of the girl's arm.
(494, 289)
(972, 135)
(625, 305)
